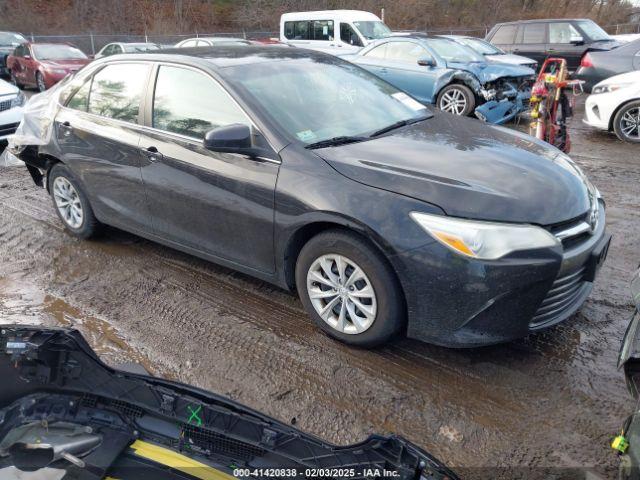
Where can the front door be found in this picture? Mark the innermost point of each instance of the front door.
(221, 204)
(566, 42)
(531, 41)
(98, 135)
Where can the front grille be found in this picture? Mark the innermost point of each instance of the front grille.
(572, 232)
(5, 105)
(8, 129)
(561, 297)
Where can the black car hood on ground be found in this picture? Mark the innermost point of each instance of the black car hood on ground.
(469, 170)
(53, 381)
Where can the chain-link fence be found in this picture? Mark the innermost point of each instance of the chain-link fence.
(91, 43)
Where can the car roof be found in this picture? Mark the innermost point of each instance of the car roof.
(215, 39)
(225, 55)
(540, 20)
(330, 15)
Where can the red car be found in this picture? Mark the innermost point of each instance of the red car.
(42, 65)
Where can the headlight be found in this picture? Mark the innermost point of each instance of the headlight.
(18, 101)
(483, 240)
(611, 87)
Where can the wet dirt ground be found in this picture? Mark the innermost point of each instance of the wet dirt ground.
(552, 400)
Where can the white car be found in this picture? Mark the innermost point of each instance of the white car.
(614, 104)
(12, 101)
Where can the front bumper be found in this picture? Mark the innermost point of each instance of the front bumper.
(456, 301)
(9, 121)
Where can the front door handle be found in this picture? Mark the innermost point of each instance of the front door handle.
(152, 154)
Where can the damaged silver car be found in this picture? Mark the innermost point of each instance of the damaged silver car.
(454, 77)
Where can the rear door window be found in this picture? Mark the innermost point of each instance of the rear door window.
(323, 30)
(378, 52)
(298, 30)
(533, 33)
(117, 90)
(191, 103)
(504, 35)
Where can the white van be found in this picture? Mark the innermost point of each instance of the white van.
(340, 32)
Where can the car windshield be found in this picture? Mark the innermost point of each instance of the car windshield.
(593, 30)
(372, 30)
(11, 39)
(480, 46)
(57, 52)
(451, 51)
(139, 47)
(347, 101)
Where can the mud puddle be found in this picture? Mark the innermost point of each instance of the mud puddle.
(21, 302)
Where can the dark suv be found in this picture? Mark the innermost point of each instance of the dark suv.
(539, 39)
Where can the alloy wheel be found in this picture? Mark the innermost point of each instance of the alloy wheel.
(630, 123)
(68, 202)
(453, 101)
(341, 294)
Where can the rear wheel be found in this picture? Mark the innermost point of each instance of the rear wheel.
(349, 290)
(626, 123)
(71, 203)
(40, 82)
(457, 99)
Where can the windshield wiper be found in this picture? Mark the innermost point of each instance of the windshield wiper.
(335, 141)
(401, 123)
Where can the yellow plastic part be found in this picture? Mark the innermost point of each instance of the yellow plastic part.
(177, 461)
(620, 444)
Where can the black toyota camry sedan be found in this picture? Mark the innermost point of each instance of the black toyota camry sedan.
(307, 171)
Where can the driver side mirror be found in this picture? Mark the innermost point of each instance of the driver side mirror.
(234, 138)
(27, 57)
(426, 62)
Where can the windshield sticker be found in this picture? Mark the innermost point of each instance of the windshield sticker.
(306, 135)
(407, 101)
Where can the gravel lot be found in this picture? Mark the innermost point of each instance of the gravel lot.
(545, 405)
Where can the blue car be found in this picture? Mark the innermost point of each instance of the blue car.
(454, 77)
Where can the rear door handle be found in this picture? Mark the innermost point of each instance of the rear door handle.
(152, 154)
(384, 70)
(66, 128)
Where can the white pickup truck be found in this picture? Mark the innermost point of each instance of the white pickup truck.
(340, 32)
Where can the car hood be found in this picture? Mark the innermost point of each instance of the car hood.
(488, 72)
(510, 59)
(607, 45)
(7, 88)
(470, 170)
(73, 64)
(48, 369)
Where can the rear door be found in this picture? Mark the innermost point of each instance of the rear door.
(564, 41)
(220, 204)
(531, 41)
(98, 132)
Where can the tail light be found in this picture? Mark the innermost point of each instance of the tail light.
(586, 61)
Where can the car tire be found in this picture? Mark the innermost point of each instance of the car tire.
(457, 99)
(71, 203)
(40, 82)
(374, 287)
(15, 81)
(626, 123)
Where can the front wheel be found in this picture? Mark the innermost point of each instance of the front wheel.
(626, 123)
(457, 99)
(40, 82)
(349, 290)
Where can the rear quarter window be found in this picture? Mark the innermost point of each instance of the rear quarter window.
(504, 35)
